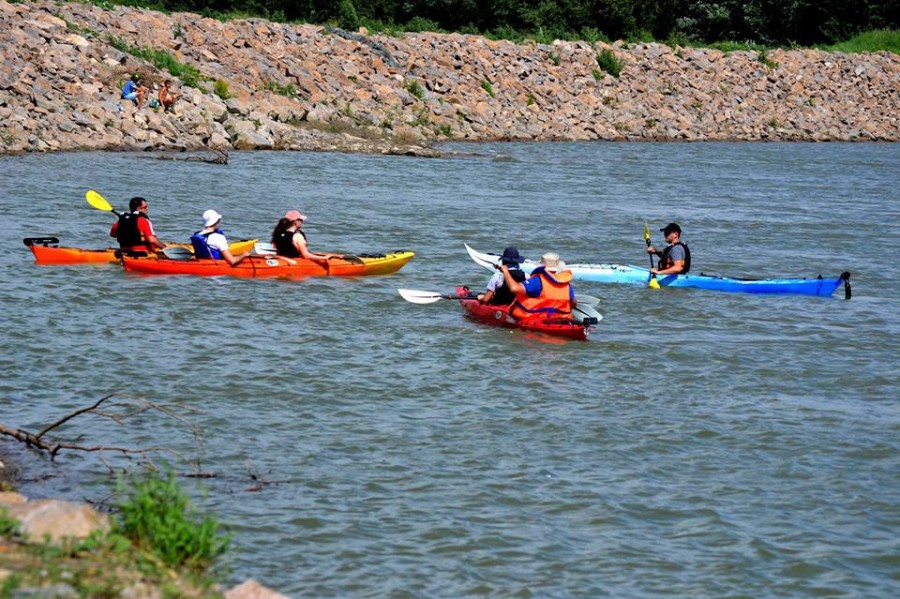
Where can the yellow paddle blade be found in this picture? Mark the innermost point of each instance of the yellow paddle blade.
(646, 231)
(653, 284)
(97, 201)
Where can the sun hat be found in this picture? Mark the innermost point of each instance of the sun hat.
(671, 227)
(511, 256)
(210, 218)
(293, 215)
(551, 262)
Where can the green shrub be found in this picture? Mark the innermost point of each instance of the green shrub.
(415, 89)
(420, 24)
(287, 89)
(608, 62)
(763, 57)
(486, 86)
(159, 519)
(347, 15)
(220, 88)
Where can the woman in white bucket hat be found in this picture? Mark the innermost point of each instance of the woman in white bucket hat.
(210, 242)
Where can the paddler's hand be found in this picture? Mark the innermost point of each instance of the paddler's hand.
(651, 249)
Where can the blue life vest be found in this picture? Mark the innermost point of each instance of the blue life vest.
(202, 251)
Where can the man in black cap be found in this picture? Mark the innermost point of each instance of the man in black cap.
(497, 292)
(675, 259)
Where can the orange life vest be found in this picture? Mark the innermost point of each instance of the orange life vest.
(554, 300)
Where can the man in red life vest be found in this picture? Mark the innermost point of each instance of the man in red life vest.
(134, 229)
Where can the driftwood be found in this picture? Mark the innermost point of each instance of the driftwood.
(212, 156)
(118, 408)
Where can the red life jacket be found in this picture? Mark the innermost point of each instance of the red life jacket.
(553, 302)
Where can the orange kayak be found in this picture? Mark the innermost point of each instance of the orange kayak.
(47, 251)
(270, 265)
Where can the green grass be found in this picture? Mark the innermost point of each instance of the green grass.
(188, 74)
(8, 525)
(879, 40)
(220, 88)
(159, 518)
(486, 86)
(731, 46)
(282, 89)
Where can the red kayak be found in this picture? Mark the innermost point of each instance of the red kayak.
(499, 316)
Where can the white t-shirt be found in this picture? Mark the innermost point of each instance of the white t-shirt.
(496, 282)
(217, 241)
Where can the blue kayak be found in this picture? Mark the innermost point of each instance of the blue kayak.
(635, 275)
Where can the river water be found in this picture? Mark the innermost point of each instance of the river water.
(701, 444)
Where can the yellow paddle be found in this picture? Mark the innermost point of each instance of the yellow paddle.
(98, 201)
(653, 284)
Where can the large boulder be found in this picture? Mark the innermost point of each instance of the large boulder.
(56, 519)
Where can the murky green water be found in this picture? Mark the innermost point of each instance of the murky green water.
(701, 444)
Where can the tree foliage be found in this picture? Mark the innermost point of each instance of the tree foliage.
(771, 22)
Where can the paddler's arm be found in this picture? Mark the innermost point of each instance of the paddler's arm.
(308, 255)
(672, 270)
(513, 285)
(300, 244)
(155, 243)
(231, 258)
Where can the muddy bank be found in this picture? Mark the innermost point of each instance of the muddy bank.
(262, 85)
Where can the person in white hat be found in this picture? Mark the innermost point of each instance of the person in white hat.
(210, 242)
(291, 242)
(547, 293)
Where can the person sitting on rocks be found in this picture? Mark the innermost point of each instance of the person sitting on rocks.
(134, 91)
(166, 98)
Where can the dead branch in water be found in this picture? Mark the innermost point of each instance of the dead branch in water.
(118, 408)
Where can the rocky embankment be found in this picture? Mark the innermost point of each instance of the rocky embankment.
(308, 87)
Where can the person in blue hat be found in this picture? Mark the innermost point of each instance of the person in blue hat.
(498, 293)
